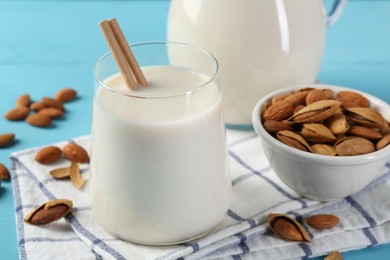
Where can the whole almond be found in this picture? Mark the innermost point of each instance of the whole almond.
(385, 141)
(18, 113)
(49, 212)
(297, 98)
(317, 95)
(36, 106)
(317, 133)
(365, 132)
(352, 145)
(49, 102)
(6, 139)
(75, 153)
(51, 112)
(4, 173)
(23, 101)
(38, 120)
(335, 255)
(293, 139)
(316, 112)
(65, 95)
(322, 221)
(273, 126)
(48, 155)
(350, 99)
(287, 228)
(278, 111)
(323, 149)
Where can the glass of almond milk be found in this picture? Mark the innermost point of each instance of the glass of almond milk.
(159, 159)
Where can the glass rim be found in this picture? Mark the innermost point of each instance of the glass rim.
(132, 95)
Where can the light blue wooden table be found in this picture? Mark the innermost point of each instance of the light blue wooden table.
(48, 45)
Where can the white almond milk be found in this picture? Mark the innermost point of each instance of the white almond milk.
(261, 45)
(159, 165)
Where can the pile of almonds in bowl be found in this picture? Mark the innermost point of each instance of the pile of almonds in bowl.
(325, 142)
(323, 122)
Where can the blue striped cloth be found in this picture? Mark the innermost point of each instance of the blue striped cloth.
(243, 234)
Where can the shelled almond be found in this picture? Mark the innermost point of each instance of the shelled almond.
(6, 139)
(41, 113)
(320, 121)
(4, 173)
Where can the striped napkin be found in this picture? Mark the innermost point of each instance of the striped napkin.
(243, 233)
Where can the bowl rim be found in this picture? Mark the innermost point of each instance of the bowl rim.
(317, 158)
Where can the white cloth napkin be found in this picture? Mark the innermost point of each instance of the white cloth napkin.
(243, 233)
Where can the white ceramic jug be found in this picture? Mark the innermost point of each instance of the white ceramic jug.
(261, 45)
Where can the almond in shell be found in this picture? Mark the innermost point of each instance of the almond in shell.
(338, 124)
(365, 132)
(75, 153)
(317, 133)
(293, 139)
(367, 116)
(48, 155)
(288, 228)
(353, 146)
(316, 112)
(323, 149)
(49, 212)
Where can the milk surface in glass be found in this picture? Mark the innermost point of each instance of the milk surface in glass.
(159, 161)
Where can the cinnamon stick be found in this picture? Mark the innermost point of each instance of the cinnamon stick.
(117, 52)
(130, 58)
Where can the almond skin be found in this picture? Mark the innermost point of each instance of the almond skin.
(51, 112)
(48, 155)
(38, 120)
(75, 153)
(4, 173)
(65, 95)
(18, 113)
(322, 221)
(23, 101)
(6, 139)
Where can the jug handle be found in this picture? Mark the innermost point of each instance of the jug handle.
(335, 13)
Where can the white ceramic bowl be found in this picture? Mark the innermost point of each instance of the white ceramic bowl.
(317, 176)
